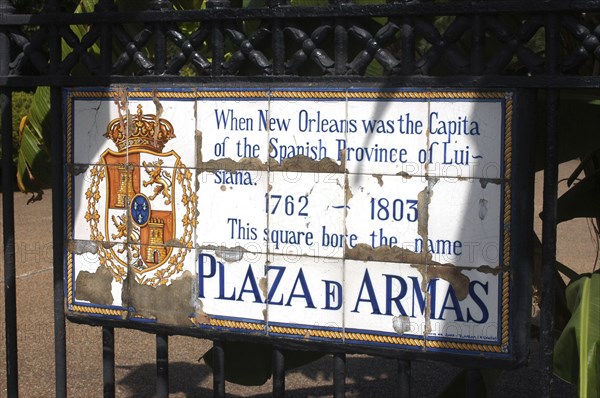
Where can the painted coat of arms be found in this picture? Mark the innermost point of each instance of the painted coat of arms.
(140, 201)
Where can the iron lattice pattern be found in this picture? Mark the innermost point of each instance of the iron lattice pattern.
(342, 40)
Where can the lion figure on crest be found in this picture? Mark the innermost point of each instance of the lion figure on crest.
(160, 177)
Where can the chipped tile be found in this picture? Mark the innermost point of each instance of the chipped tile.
(306, 214)
(305, 297)
(470, 234)
(244, 223)
(306, 134)
(386, 136)
(383, 218)
(384, 299)
(231, 292)
(232, 131)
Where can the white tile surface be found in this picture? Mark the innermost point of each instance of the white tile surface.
(305, 292)
(251, 232)
(388, 136)
(383, 211)
(90, 119)
(232, 129)
(473, 317)
(464, 223)
(231, 210)
(306, 214)
(465, 139)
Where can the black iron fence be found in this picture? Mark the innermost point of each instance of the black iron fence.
(541, 45)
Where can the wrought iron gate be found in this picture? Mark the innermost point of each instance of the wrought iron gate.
(484, 44)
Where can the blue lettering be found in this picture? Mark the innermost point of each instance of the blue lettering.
(274, 284)
(305, 292)
(230, 121)
(250, 279)
(366, 283)
(212, 269)
(484, 311)
(420, 299)
(451, 294)
(389, 279)
(271, 124)
(331, 288)
(222, 284)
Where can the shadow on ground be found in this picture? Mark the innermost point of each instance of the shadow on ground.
(366, 377)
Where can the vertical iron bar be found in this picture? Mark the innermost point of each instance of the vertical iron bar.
(340, 41)
(473, 384)
(58, 235)
(478, 45)
(218, 39)
(403, 378)
(277, 39)
(407, 36)
(218, 370)
(8, 221)
(108, 361)
(341, 47)
(162, 365)
(339, 375)
(105, 38)
(8, 231)
(549, 208)
(408, 45)
(160, 42)
(278, 373)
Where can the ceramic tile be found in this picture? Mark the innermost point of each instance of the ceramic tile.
(231, 287)
(167, 196)
(391, 300)
(98, 273)
(386, 137)
(385, 299)
(306, 214)
(383, 217)
(232, 130)
(231, 210)
(466, 138)
(391, 211)
(156, 263)
(112, 207)
(174, 143)
(91, 116)
(464, 305)
(464, 223)
(307, 135)
(99, 214)
(305, 297)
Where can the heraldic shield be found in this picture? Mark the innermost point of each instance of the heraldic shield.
(137, 215)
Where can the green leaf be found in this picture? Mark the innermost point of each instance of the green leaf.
(33, 155)
(576, 351)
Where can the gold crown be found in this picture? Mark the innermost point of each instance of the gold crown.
(144, 132)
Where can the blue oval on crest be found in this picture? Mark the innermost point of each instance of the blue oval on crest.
(140, 209)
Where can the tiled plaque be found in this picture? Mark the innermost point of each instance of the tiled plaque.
(360, 217)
